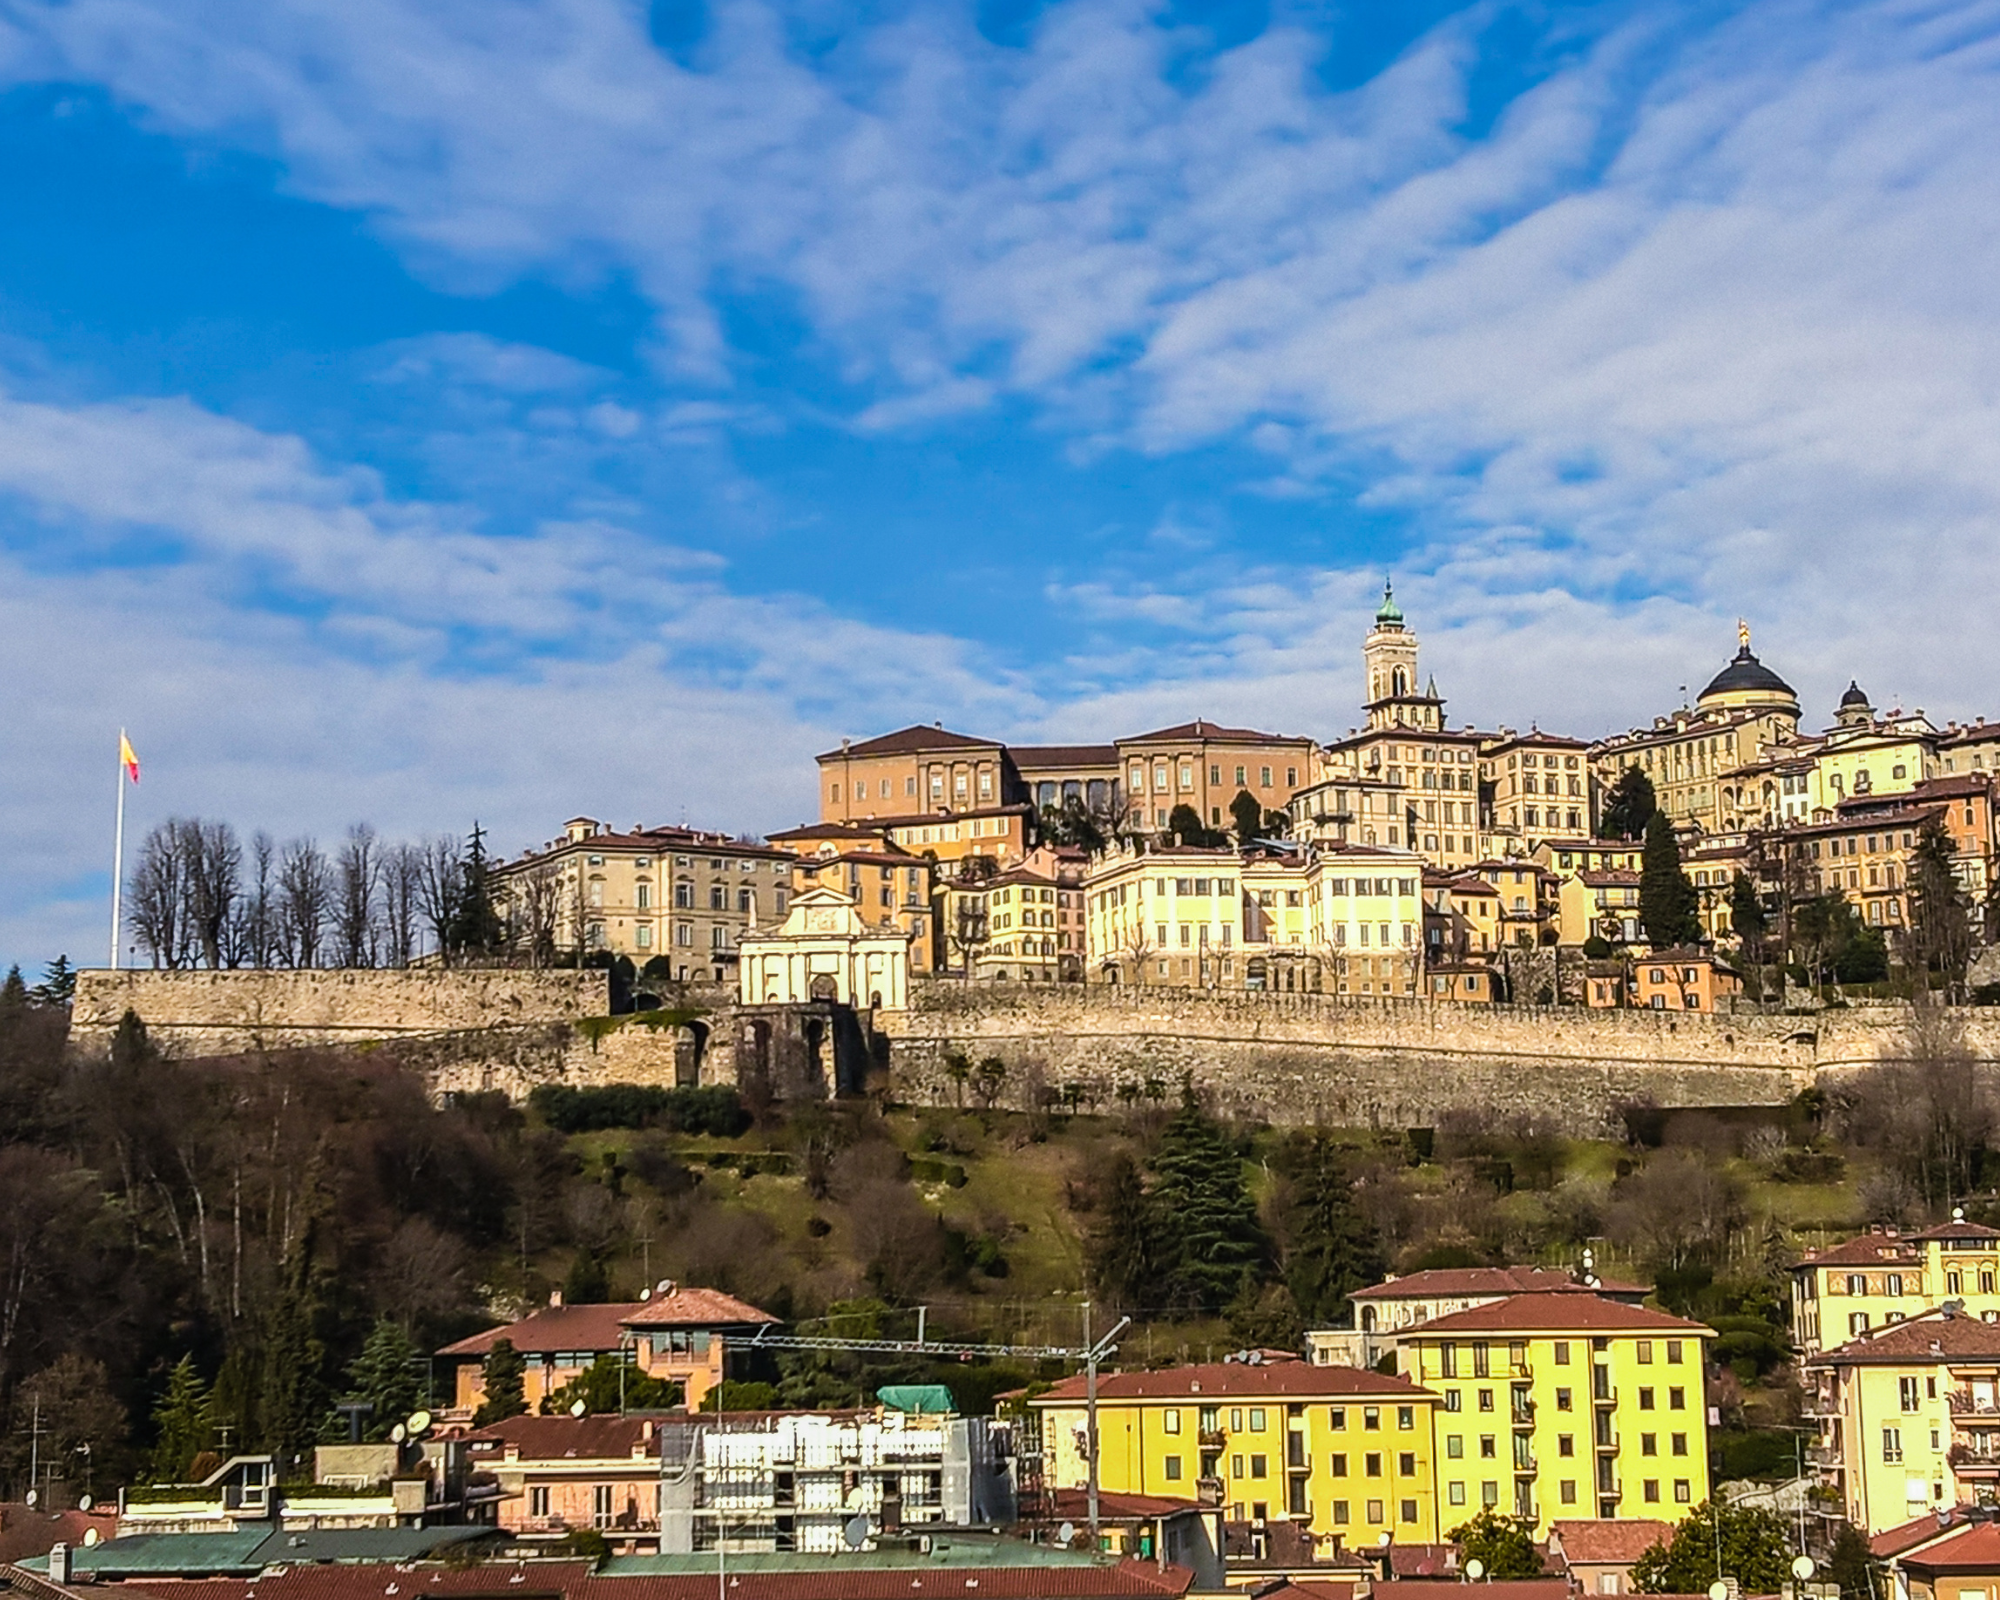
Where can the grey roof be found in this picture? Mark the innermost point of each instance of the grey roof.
(1747, 672)
(245, 1552)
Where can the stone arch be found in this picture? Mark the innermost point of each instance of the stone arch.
(690, 1048)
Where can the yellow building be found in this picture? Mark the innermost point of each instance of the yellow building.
(1565, 1405)
(1336, 919)
(677, 895)
(1688, 754)
(1598, 902)
(1909, 1417)
(1345, 1452)
(1883, 1276)
(891, 891)
(1538, 786)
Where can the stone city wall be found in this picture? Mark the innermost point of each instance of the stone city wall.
(225, 1013)
(1289, 1058)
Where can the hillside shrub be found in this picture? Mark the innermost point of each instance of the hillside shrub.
(716, 1111)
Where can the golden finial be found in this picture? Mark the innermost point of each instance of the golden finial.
(1743, 633)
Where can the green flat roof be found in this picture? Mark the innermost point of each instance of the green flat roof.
(947, 1550)
(245, 1552)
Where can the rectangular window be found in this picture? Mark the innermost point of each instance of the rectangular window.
(1371, 1463)
(1375, 1513)
(1906, 1392)
(1645, 1399)
(1566, 1444)
(1454, 1447)
(1256, 1419)
(1566, 1491)
(1677, 1399)
(538, 1502)
(1892, 1446)
(1339, 1464)
(1171, 1421)
(1455, 1494)
(1406, 1417)
(1409, 1513)
(1336, 1418)
(1651, 1493)
(1173, 1468)
(1679, 1444)
(1649, 1444)
(1406, 1463)
(1259, 1467)
(1340, 1516)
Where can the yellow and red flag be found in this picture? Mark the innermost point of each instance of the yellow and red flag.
(128, 758)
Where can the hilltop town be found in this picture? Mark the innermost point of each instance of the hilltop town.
(1724, 855)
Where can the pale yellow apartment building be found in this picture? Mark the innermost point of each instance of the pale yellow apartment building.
(1346, 920)
(1883, 1277)
(1909, 1417)
(678, 895)
(1565, 1405)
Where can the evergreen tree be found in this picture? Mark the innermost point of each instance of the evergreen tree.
(1330, 1250)
(1666, 898)
(602, 1392)
(1755, 1548)
(1853, 1566)
(588, 1284)
(13, 995)
(293, 1395)
(1940, 936)
(1185, 824)
(1072, 823)
(506, 1377)
(1125, 1248)
(58, 985)
(1206, 1217)
(1746, 911)
(1247, 815)
(1504, 1545)
(384, 1376)
(1628, 808)
(181, 1421)
(476, 928)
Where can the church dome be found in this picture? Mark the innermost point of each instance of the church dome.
(1854, 696)
(1747, 679)
(1391, 614)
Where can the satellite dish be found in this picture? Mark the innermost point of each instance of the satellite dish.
(1066, 1532)
(578, 1409)
(34, 1498)
(85, 1503)
(1475, 1569)
(1803, 1568)
(418, 1425)
(1718, 1590)
(1386, 1540)
(396, 1434)
(854, 1533)
(91, 1535)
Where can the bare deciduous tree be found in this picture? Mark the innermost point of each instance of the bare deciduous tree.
(440, 887)
(534, 911)
(355, 872)
(305, 896)
(257, 910)
(214, 862)
(402, 874)
(158, 895)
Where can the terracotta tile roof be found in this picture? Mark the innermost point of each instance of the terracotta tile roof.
(1517, 1589)
(1591, 1539)
(1200, 729)
(1974, 1232)
(1558, 1313)
(26, 1532)
(1072, 1503)
(1933, 1336)
(830, 830)
(1956, 784)
(1230, 1380)
(561, 1438)
(553, 1328)
(1037, 757)
(1864, 1250)
(1608, 878)
(1423, 1560)
(685, 1306)
(599, 1327)
(1972, 1549)
(910, 741)
(1918, 1530)
(1439, 1282)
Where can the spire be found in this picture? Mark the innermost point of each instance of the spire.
(1391, 614)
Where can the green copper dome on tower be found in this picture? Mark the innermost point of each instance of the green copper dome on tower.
(1391, 613)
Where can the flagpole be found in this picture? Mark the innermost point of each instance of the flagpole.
(118, 852)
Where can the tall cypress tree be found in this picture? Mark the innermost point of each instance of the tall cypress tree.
(1940, 938)
(505, 1383)
(1125, 1247)
(1666, 896)
(1330, 1250)
(293, 1392)
(1628, 808)
(183, 1424)
(1206, 1216)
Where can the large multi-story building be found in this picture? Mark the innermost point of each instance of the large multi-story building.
(1205, 766)
(1690, 753)
(1384, 1311)
(892, 892)
(1538, 787)
(1343, 1453)
(1564, 1405)
(678, 895)
(1883, 1276)
(1909, 1417)
(1337, 919)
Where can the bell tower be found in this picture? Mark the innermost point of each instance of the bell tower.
(1389, 662)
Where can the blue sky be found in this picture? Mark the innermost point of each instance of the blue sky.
(416, 412)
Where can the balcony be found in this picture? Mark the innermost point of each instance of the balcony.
(1965, 1404)
(1604, 1394)
(1827, 1457)
(1212, 1438)
(1607, 1443)
(1975, 1460)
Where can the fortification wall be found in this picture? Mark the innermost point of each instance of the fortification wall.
(218, 1013)
(1288, 1058)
